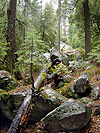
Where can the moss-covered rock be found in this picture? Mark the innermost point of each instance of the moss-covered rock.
(55, 54)
(10, 104)
(46, 102)
(81, 85)
(67, 117)
(7, 82)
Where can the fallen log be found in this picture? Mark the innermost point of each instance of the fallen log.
(21, 117)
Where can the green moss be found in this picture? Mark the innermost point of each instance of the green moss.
(61, 68)
(74, 56)
(97, 71)
(11, 91)
(44, 95)
(4, 96)
(82, 52)
(90, 72)
(43, 76)
(41, 89)
(67, 91)
(51, 70)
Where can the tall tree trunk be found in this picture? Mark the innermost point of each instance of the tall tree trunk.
(59, 23)
(11, 12)
(87, 28)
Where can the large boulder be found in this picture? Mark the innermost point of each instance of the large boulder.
(66, 59)
(48, 100)
(55, 55)
(7, 82)
(46, 56)
(72, 59)
(81, 85)
(67, 117)
(64, 47)
(44, 103)
(10, 104)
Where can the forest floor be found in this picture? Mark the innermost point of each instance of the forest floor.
(93, 126)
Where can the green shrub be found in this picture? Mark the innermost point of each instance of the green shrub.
(95, 52)
(82, 52)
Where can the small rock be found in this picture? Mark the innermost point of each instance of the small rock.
(97, 105)
(90, 104)
(70, 100)
(77, 95)
(73, 65)
(95, 92)
(98, 78)
(81, 85)
(85, 100)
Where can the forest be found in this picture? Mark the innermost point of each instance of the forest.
(50, 66)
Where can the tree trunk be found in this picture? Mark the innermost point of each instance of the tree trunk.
(11, 12)
(59, 23)
(87, 28)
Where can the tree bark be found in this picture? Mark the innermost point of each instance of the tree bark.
(87, 28)
(59, 23)
(11, 13)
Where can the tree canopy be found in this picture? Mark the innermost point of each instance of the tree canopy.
(36, 30)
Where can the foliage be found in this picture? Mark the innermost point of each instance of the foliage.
(33, 21)
(95, 52)
(64, 39)
(82, 52)
(3, 31)
(40, 35)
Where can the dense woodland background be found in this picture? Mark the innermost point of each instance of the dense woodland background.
(31, 36)
(26, 27)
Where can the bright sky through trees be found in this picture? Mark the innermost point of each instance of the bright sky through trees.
(53, 2)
